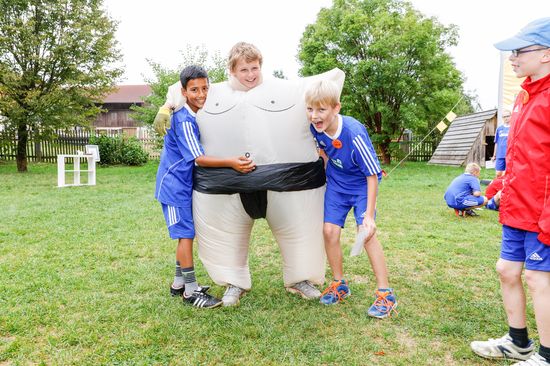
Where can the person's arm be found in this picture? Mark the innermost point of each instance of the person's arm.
(474, 185)
(544, 225)
(494, 152)
(174, 102)
(323, 155)
(240, 164)
(368, 221)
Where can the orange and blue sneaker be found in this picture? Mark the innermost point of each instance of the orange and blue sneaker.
(384, 305)
(335, 293)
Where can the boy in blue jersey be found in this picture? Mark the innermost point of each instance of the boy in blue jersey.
(501, 140)
(464, 192)
(174, 186)
(353, 173)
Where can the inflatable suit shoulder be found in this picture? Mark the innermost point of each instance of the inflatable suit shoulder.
(174, 98)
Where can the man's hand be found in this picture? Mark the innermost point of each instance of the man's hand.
(243, 164)
(162, 121)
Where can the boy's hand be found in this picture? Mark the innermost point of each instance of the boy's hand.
(162, 121)
(243, 164)
(370, 227)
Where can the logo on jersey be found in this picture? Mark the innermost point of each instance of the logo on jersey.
(322, 143)
(337, 144)
(535, 257)
(338, 163)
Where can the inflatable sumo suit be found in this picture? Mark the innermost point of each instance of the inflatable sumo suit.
(268, 124)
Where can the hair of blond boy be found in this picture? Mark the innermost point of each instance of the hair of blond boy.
(472, 168)
(246, 51)
(323, 92)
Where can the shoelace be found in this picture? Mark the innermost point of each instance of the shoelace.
(333, 289)
(384, 305)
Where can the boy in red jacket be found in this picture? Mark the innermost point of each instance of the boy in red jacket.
(525, 202)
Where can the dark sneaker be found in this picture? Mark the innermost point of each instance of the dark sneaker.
(177, 291)
(384, 305)
(201, 299)
(501, 348)
(470, 213)
(335, 293)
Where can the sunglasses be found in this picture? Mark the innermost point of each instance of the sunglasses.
(516, 53)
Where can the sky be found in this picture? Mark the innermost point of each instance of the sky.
(160, 30)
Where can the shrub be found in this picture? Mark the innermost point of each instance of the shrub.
(132, 153)
(118, 150)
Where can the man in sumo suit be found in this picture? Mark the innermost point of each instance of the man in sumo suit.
(266, 121)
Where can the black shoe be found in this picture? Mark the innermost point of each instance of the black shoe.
(201, 299)
(177, 291)
(470, 213)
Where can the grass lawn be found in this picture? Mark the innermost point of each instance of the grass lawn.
(85, 272)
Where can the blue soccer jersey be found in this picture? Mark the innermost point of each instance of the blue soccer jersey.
(351, 156)
(181, 147)
(501, 139)
(460, 188)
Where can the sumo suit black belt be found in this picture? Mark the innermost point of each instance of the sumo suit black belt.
(253, 186)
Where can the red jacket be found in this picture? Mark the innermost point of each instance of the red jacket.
(494, 187)
(525, 202)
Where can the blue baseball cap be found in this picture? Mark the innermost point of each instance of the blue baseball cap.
(536, 32)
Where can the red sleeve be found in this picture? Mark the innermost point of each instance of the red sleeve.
(494, 187)
(544, 225)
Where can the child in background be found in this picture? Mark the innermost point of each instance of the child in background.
(501, 140)
(464, 192)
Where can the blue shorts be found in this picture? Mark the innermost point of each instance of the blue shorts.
(468, 202)
(337, 206)
(179, 221)
(500, 164)
(523, 246)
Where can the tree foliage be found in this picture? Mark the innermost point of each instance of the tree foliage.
(55, 58)
(215, 65)
(398, 74)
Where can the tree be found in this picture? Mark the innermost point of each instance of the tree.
(54, 65)
(398, 74)
(164, 77)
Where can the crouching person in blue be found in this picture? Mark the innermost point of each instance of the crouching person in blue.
(174, 186)
(464, 192)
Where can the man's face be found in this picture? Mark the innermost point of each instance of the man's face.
(195, 92)
(527, 61)
(247, 73)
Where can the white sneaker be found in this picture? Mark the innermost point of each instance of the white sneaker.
(534, 360)
(305, 289)
(502, 348)
(232, 295)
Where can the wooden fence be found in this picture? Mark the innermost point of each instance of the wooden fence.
(418, 150)
(63, 142)
(69, 141)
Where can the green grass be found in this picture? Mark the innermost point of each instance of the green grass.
(85, 271)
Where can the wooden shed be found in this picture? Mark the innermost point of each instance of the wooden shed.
(117, 118)
(469, 138)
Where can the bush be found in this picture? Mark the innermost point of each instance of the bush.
(119, 150)
(132, 153)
